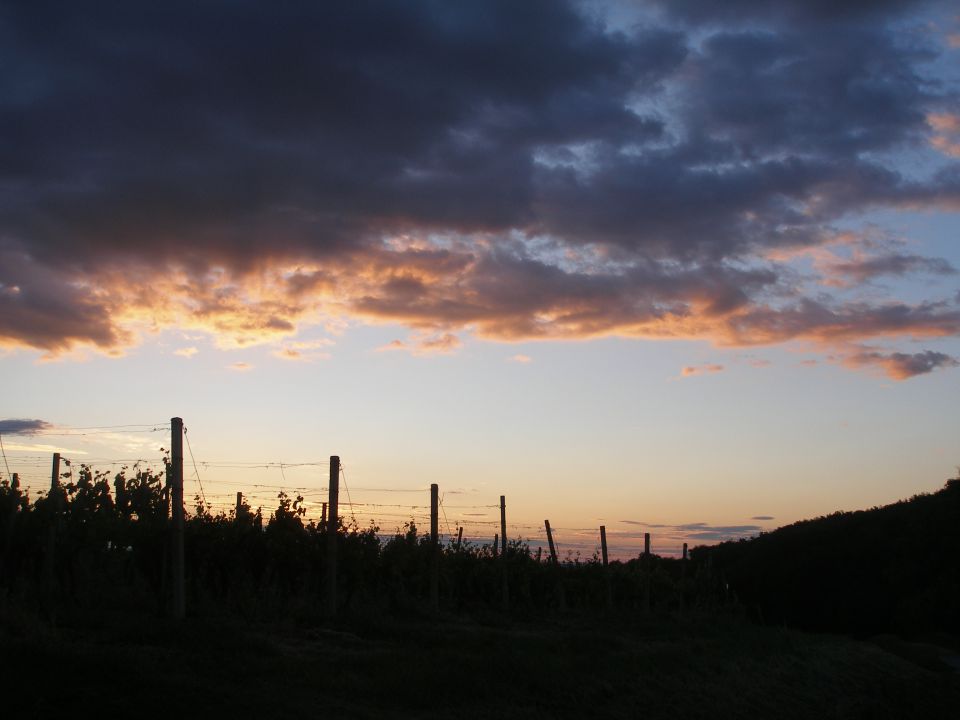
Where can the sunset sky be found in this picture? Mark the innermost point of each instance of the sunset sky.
(679, 267)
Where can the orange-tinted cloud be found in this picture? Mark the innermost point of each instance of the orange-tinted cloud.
(186, 352)
(240, 366)
(898, 365)
(304, 351)
(708, 369)
(521, 358)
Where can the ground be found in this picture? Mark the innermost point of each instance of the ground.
(694, 666)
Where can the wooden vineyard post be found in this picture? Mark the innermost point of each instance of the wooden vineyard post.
(239, 503)
(177, 583)
(434, 550)
(646, 573)
(50, 557)
(459, 537)
(606, 573)
(323, 517)
(11, 524)
(683, 577)
(561, 598)
(496, 543)
(332, 529)
(503, 552)
(553, 548)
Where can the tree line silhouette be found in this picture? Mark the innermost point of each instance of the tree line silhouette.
(888, 569)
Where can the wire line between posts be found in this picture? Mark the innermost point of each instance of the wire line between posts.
(4, 456)
(195, 470)
(443, 510)
(346, 487)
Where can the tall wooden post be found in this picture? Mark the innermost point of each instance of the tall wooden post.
(459, 537)
(553, 548)
(55, 474)
(323, 517)
(683, 576)
(603, 543)
(647, 573)
(333, 528)
(177, 584)
(11, 523)
(503, 524)
(239, 503)
(561, 595)
(50, 559)
(434, 549)
(503, 552)
(608, 588)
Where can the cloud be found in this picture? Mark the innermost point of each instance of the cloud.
(762, 517)
(699, 531)
(522, 359)
(240, 366)
(861, 269)
(691, 370)
(44, 448)
(946, 137)
(423, 344)
(304, 351)
(901, 366)
(23, 427)
(186, 352)
(300, 171)
(439, 344)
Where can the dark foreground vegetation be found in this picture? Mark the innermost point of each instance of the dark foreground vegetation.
(84, 618)
(697, 666)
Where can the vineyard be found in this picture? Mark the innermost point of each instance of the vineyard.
(101, 538)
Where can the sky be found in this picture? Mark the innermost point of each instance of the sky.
(687, 268)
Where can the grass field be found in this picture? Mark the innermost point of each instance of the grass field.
(691, 667)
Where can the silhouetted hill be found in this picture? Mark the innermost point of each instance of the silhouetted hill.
(889, 569)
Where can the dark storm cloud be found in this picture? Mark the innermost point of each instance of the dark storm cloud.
(23, 427)
(147, 129)
(811, 11)
(550, 177)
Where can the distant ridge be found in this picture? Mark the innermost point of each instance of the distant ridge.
(888, 569)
